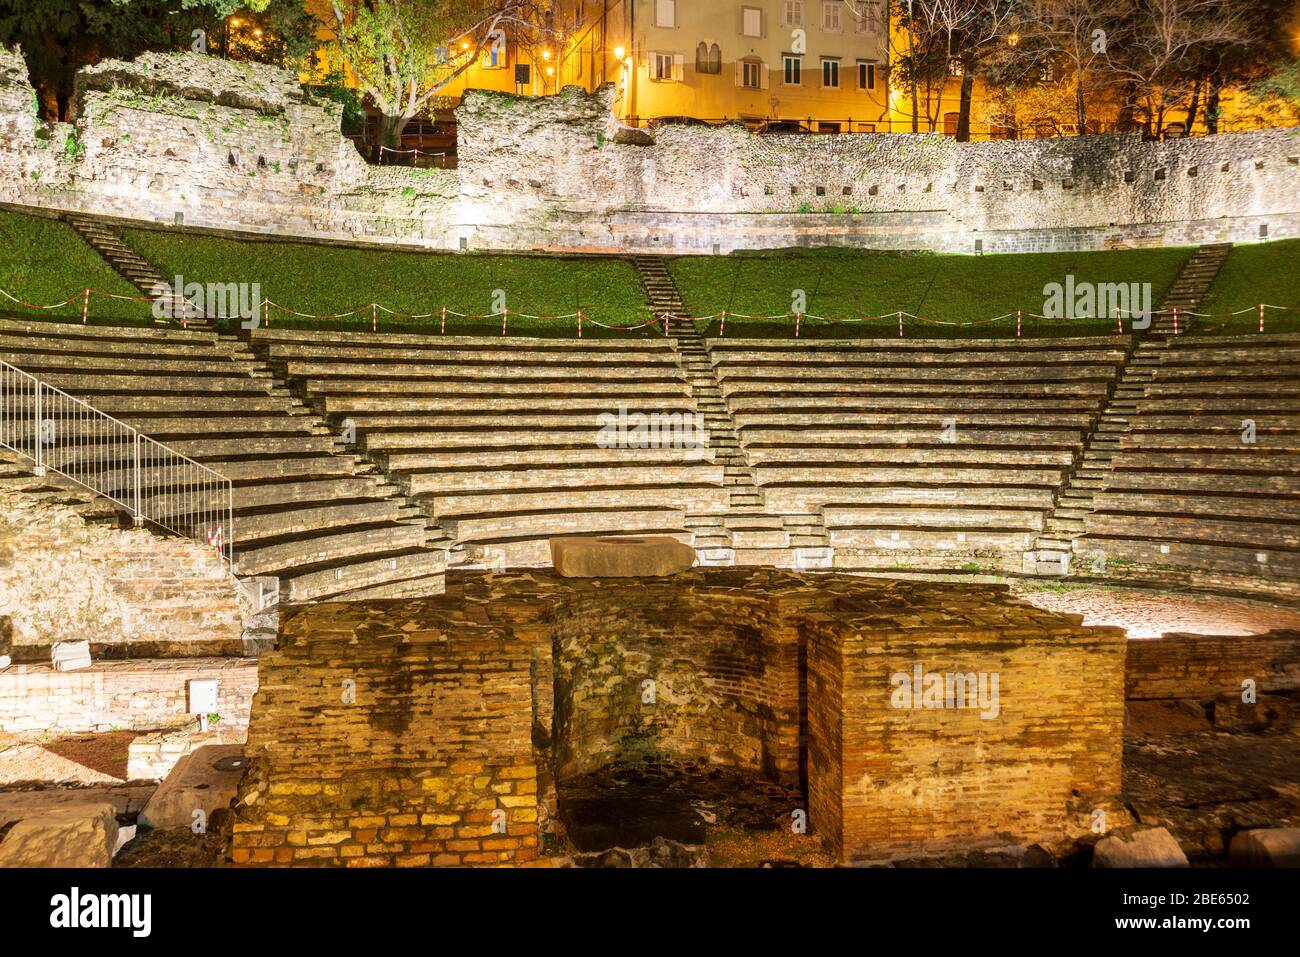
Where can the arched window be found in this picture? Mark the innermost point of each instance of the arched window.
(708, 59)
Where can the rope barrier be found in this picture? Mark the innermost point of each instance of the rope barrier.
(664, 319)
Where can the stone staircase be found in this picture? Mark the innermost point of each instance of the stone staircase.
(747, 527)
(660, 289)
(1054, 549)
(104, 238)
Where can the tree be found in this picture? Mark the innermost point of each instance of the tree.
(1161, 50)
(1068, 37)
(58, 37)
(403, 53)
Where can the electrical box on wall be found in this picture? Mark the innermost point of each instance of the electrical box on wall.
(203, 699)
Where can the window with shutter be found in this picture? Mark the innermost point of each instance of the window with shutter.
(665, 13)
(751, 74)
(831, 17)
(792, 13)
(751, 21)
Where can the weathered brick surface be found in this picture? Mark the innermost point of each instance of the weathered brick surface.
(1203, 666)
(473, 702)
(128, 592)
(140, 695)
(887, 781)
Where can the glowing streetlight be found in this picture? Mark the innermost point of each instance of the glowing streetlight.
(618, 53)
(1013, 40)
(257, 32)
(546, 54)
(235, 22)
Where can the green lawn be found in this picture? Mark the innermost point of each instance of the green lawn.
(852, 283)
(327, 280)
(1263, 272)
(42, 261)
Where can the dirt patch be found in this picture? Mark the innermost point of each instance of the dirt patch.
(107, 752)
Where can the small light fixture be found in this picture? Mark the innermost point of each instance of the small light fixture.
(618, 53)
(550, 71)
(235, 22)
(546, 54)
(257, 32)
(1013, 40)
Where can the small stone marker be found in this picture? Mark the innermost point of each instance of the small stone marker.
(78, 835)
(1154, 847)
(1266, 847)
(589, 556)
(70, 655)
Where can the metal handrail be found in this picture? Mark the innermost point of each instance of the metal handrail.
(154, 483)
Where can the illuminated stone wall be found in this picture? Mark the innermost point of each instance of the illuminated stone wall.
(212, 143)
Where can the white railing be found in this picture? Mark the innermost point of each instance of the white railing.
(153, 483)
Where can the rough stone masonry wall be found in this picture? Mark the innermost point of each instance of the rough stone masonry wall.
(241, 146)
(892, 781)
(131, 593)
(1203, 666)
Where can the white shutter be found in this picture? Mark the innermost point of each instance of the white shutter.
(679, 67)
(763, 71)
(740, 73)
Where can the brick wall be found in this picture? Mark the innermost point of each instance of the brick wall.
(1202, 666)
(449, 726)
(125, 695)
(693, 675)
(129, 592)
(887, 780)
(411, 771)
(240, 146)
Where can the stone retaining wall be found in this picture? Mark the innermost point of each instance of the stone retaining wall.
(129, 592)
(182, 138)
(1203, 666)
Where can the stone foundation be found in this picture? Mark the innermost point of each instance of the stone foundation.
(433, 731)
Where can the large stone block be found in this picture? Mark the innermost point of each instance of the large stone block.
(1266, 847)
(585, 556)
(79, 835)
(203, 781)
(1153, 847)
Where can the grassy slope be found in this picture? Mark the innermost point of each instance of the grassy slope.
(327, 280)
(850, 283)
(1265, 272)
(43, 261)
